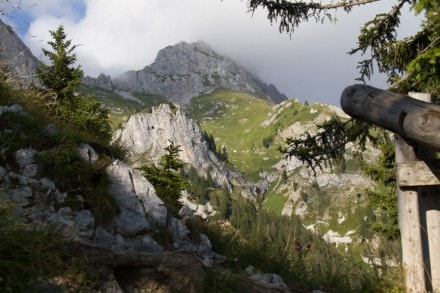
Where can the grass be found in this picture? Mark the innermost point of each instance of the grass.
(273, 201)
(34, 258)
(236, 120)
(223, 110)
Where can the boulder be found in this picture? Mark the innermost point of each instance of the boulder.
(140, 207)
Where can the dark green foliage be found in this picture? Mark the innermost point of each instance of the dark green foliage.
(328, 146)
(86, 116)
(168, 186)
(281, 245)
(32, 256)
(284, 178)
(60, 76)
(163, 236)
(168, 183)
(291, 14)
(417, 56)
(221, 201)
(384, 201)
(223, 154)
(170, 161)
(199, 187)
(267, 141)
(209, 137)
(61, 82)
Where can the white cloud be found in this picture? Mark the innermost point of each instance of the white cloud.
(116, 36)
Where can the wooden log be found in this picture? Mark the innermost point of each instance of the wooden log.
(411, 118)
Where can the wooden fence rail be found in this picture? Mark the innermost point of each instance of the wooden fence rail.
(411, 118)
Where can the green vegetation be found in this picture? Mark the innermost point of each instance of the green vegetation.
(281, 245)
(273, 201)
(385, 222)
(26, 254)
(61, 82)
(251, 146)
(166, 180)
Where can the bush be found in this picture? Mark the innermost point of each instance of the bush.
(86, 116)
(267, 141)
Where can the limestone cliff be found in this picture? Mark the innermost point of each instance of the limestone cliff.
(147, 134)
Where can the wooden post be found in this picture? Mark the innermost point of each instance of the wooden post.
(409, 224)
(429, 204)
(433, 228)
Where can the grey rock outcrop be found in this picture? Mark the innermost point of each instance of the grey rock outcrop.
(140, 207)
(147, 134)
(16, 56)
(186, 70)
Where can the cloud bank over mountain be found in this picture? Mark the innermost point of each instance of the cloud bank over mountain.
(116, 36)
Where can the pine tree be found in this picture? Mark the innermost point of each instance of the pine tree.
(62, 80)
(60, 77)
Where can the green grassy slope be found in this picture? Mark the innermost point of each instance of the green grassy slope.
(237, 120)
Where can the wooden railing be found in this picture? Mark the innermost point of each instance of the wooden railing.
(417, 127)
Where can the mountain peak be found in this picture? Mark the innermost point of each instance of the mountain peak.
(185, 70)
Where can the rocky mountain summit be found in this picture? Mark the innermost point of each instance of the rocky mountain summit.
(186, 70)
(16, 57)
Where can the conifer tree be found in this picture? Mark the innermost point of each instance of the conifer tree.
(61, 79)
(60, 76)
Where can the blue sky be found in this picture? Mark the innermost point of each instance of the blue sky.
(116, 36)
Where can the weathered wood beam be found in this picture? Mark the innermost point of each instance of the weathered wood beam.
(409, 223)
(416, 173)
(417, 120)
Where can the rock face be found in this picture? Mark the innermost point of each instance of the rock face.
(185, 70)
(147, 134)
(16, 56)
(140, 207)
